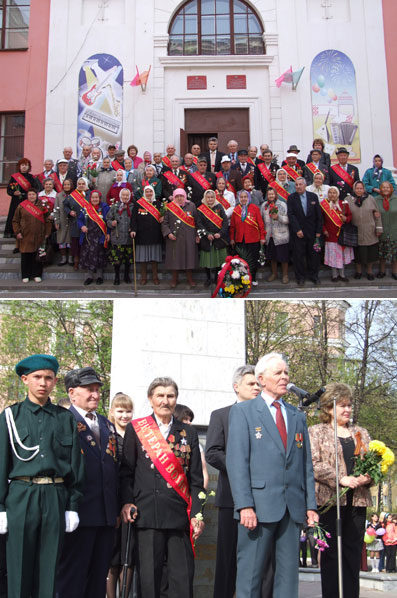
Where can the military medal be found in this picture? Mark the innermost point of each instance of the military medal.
(152, 466)
(299, 440)
(183, 433)
(183, 441)
(258, 433)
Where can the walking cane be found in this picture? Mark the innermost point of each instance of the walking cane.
(127, 552)
(338, 517)
(210, 269)
(133, 257)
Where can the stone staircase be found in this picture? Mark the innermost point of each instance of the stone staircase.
(63, 281)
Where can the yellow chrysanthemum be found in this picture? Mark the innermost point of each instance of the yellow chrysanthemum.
(388, 457)
(384, 468)
(377, 446)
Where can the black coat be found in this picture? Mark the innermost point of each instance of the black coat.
(146, 227)
(167, 187)
(160, 507)
(215, 454)
(100, 504)
(203, 223)
(197, 190)
(307, 173)
(337, 181)
(312, 223)
(17, 199)
(259, 181)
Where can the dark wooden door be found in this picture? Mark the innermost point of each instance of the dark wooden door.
(224, 123)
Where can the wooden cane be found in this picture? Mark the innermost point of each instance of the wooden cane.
(133, 257)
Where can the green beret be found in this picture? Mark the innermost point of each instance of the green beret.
(37, 362)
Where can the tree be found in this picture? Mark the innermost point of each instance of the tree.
(78, 333)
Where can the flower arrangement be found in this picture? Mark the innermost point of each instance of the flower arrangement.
(92, 170)
(14, 187)
(317, 246)
(321, 537)
(273, 210)
(234, 279)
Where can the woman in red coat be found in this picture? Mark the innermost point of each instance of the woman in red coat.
(247, 231)
(113, 195)
(335, 213)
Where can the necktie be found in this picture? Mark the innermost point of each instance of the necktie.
(95, 427)
(280, 423)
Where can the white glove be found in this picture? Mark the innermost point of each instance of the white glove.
(3, 523)
(72, 521)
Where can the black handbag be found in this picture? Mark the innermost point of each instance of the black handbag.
(348, 235)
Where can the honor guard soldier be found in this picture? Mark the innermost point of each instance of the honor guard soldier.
(87, 552)
(41, 480)
(162, 477)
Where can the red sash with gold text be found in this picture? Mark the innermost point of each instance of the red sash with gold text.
(21, 180)
(83, 203)
(313, 168)
(173, 179)
(195, 159)
(96, 217)
(153, 211)
(201, 180)
(54, 177)
(179, 213)
(33, 210)
(279, 189)
(292, 173)
(211, 215)
(343, 174)
(222, 200)
(167, 161)
(249, 220)
(229, 186)
(117, 166)
(331, 213)
(265, 172)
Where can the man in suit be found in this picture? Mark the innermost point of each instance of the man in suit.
(265, 170)
(161, 471)
(158, 163)
(306, 223)
(188, 163)
(293, 149)
(343, 175)
(270, 470)
(246, 387)
(87, 551)
(233, 177)
(213, 155)
(232, 149)
(74, 170)
(243, 166)
(200, 181)
(172, 178)
(313, 165)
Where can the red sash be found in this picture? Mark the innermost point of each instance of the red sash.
(292, 173)
(313, 168)
(167, 161)
(249, 220)
(179, 213)
(22, 181)
(153, 211)
(162, 457)
(222, 200)
(173, 179)
(211, 215)
(343, 174)
(279, 189)
(33, 210)
(117, 166)
(195, 159)
(265, 172)
(54, 177)
(250, 161)
(331, 213)
(229, 186)
(201, 180)
(98, 219)
(83, 203)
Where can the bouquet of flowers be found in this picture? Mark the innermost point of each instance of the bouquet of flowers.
(317, 246)
(92, 170)
(234, 279)
(262, 256)
(321, 537)
(273, 210)
(204, 499)
(14, 186)
(163, 206)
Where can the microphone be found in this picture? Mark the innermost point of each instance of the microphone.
(298, 391)
(313, 398)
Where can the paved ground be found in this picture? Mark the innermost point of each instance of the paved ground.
(313, 590)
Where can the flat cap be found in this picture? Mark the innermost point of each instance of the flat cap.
(342, 150)
(37, 362)
(82, 377)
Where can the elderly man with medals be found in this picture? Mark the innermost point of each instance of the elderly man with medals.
(161, 478)
(41, 480)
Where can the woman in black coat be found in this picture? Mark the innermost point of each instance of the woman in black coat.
(17, 188)
(212, 228)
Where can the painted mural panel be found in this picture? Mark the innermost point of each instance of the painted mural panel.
(100, 109)
(334, 103)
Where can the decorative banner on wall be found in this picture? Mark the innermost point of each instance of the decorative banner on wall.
(100, 103)
(334, 103)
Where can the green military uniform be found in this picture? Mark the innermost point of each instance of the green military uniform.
(36, 511)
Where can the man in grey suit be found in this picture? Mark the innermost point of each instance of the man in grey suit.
(270, 471)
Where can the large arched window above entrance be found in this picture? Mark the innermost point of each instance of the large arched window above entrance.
(215, 27)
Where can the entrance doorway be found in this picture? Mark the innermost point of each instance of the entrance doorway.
(223, 123)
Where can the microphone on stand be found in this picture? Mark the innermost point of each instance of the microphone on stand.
(302, 394)
(313, 398)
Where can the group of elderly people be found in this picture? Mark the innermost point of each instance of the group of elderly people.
(128, 208)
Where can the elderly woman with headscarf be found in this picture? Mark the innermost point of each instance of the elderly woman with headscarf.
(387, 207)
(335, 213)
(247, 231)
(275, 218)
(283, 185)
(145, 226)
(120, 183)
(318, 187)
(373, 177)
(367, 218)
(226, 198)
(19, 184)
(94, 238)
(105, 178)
(149, 178)
(118, 220)
(179, 231)
(212, 228)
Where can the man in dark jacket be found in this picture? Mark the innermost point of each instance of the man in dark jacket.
(87, 551)
(161, 472)
(306, 223)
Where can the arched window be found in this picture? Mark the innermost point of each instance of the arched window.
(208, 27)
